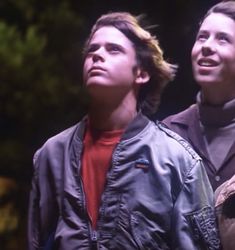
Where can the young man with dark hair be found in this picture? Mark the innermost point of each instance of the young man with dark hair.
(117, 180)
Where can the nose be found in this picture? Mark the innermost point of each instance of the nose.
(208, 47)
(98, 55)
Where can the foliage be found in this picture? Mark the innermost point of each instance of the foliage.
(39, 90)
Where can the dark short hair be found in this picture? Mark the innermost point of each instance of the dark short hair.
(149, 56)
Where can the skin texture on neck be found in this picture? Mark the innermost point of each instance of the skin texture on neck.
(217, 96)
(107, 115)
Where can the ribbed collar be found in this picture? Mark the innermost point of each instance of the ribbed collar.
(216, 116)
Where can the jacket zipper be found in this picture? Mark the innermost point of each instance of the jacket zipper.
(94, 236)
(94, 240)
(93, 233)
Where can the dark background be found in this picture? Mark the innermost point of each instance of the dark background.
(40, 80)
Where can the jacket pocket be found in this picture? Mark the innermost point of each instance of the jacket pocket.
(204, 228)
(145, 233)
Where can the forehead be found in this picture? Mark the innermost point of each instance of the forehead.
(217, 22)
(110, 34)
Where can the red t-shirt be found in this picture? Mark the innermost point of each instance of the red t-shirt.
(96, 159)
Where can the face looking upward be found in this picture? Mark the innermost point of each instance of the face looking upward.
(213, 54)
(109, 64)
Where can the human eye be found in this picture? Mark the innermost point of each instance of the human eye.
(114, 48)
(202, 36)
(222, 37)
(91, 48)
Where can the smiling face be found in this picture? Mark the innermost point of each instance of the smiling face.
(213, 55)
(109, 64)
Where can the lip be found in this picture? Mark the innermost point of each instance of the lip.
(96, 69)
(207, 63)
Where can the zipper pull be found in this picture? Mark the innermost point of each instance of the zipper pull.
(94, 237)
(94, 240)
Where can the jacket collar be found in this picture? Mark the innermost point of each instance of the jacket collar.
(189, 119)
(135, 127)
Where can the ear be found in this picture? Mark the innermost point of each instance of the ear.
(142, 76)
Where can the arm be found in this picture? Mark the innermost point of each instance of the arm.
(43, 211)
(194, 218)
(33, 216)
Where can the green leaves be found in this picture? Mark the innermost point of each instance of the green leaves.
(40, 71)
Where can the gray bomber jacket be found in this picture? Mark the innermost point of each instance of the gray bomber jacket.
(157, 194)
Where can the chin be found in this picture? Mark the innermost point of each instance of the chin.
(95, 85)
(97, 88)
(97, 80)
(206, 79)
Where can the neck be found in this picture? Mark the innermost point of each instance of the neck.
(107, 116)
(216, 115)
(217, 96)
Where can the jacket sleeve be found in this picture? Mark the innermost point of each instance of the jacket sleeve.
(194, 221)
(33, 214)
(43, 210)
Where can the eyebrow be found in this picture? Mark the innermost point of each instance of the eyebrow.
(116, 44)
(93, 45)
(217, 32)
(225, 33)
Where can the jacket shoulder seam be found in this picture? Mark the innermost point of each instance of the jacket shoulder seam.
(179, 139)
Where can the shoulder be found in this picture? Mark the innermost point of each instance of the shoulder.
(184, 117)
(181, 122)
(55, 146)
(174, 139)
(177, 153)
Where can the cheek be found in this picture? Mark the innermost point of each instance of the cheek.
(194, 53)
(194, 57)
(229, 69)
(85, 69)
(231, 58)
(227, 60)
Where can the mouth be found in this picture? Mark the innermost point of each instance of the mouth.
(95, 70)
(207, 62)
